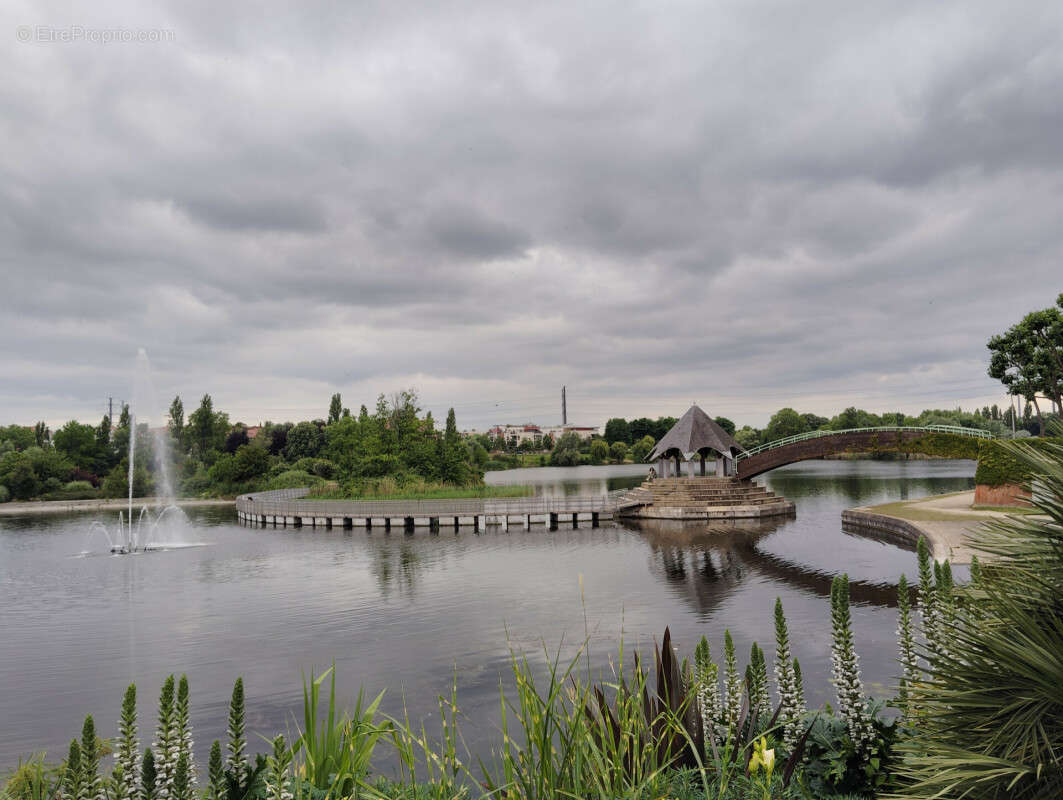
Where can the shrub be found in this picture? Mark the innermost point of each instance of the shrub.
(294, 479)
(323, 468)
(990, 712)
(5, 495)
(77, 486)
(998, 463)
(304, 464)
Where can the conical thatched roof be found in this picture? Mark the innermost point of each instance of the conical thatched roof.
(694, 431)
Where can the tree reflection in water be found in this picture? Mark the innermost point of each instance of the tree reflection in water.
(705, 563)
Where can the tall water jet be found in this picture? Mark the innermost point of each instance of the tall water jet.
(144, 532)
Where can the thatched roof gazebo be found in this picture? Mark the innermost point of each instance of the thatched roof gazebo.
(695, 435)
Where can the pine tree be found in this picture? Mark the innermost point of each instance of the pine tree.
(335, 409)
(127, 749)
(91, 783)
(237, 761)
(72, 786)
(215, 773)
(278, 781)
(732, 684)
(707, 679)
(976, 571)
(182, 784)
(148, 776)
(183, 729)
(166, 745)
(909, 666)
(928, 597)
(786, 681)
(845, 666)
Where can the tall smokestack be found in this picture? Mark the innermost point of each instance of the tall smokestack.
(564, 408)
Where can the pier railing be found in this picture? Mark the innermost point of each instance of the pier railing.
(290, 503)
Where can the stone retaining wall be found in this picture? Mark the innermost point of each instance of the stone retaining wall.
(892, 529)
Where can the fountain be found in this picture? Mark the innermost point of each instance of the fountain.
(163, 530)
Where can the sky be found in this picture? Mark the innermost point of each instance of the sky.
(745, 204)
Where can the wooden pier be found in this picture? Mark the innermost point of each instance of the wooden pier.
(289, 507)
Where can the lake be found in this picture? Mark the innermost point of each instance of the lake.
(411, 613)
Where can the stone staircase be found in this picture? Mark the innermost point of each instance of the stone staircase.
(705, 497)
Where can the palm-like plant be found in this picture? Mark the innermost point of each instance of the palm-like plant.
(991, 708)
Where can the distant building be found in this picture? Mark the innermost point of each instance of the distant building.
(517, 434)
(557, 431)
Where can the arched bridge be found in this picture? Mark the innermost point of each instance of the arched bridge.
(817, 444)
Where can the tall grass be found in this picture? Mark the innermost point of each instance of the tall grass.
(334, 752)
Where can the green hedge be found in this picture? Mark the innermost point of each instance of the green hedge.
(943, 445)
(996, 466)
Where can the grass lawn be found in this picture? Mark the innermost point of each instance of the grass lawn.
(912, 510)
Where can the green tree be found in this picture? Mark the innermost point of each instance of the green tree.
(617, 430)
(784, 422)
(305, 440)
(1028, 357)
(77, 443)
(566, 451)
(335, 409)
(21, 480)
(747, 437)
(176, 422)
(116, 484)
(814, 421)
(454, 466)
(103, 443)
(19, 436)
(618, 452)
(641, 449)
(599, 451)
(206, 428)
(41, 435)
(726, 424)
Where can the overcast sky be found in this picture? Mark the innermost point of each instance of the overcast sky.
(745, 204)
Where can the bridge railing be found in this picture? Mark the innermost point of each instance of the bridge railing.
(801, 437)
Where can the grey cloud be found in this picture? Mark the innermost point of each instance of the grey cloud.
(500, 197)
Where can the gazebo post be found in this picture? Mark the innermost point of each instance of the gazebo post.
(702, 464)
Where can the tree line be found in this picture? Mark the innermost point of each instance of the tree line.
(208, 455)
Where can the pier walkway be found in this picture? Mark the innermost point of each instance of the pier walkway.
(288, 507)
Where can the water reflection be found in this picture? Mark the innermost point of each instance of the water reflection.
(703, 564)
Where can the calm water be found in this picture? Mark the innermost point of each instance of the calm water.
(409, 612)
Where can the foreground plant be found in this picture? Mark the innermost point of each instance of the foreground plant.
(845, 667)
(183, 729)
(166, 746)
(336, 750)
(707, 680)
(906, 643)
(278, 779)
(791, 702)
(991, 707)
(126, 776)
